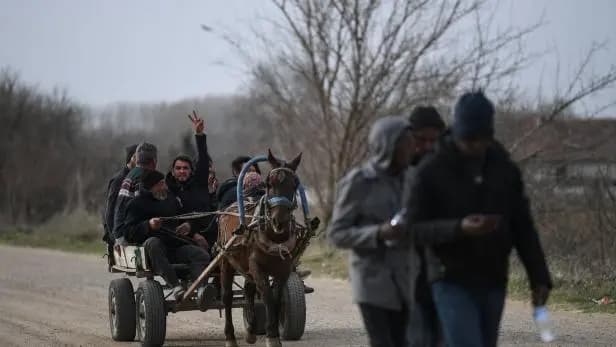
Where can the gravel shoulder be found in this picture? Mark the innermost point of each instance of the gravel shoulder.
(53, 298)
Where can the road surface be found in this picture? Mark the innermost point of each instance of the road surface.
(50, 298)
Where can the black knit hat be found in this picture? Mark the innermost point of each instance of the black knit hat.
(473, 116)
(149, 178)
(130, 151)
(426, 117)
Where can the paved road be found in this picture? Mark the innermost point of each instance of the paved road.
(50, 298)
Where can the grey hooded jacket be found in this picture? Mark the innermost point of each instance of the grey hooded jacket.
(367, 197)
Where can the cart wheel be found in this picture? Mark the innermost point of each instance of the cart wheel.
(259, 318)
(151, 314)
(122, 310)
(293, 309)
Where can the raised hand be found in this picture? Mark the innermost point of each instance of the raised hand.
(198, 123)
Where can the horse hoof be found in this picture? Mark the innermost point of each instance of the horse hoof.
(231, 344)
(251, 339)
(273, 342)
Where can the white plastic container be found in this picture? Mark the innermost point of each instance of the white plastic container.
(543, 324)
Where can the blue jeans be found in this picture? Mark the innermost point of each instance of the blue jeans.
(470, 316)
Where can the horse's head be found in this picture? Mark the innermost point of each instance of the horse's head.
(281, 185)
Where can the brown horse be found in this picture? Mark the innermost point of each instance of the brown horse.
(263, 251)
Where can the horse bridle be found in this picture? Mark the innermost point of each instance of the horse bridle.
(278, 200)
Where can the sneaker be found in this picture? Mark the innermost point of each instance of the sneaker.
(206, 295)
(178, 292)
(307, 289)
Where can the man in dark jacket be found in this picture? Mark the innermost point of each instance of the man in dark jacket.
(471, 173)
(189, 181)
(146, 156)
(113, 188)
(427, 127)
(164, 242)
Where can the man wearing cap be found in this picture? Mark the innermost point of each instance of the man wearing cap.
(146, 156)
(113, 188)
(471, 173)
(164, 242)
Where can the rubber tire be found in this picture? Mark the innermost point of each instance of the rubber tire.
(260, 318)
(122, 296)
(292, 316)
(152, 322)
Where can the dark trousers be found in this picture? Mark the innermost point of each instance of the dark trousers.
(470, 316)
(425, 328)
(386, 328)
(161, 257)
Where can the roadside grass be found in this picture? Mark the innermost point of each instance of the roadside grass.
(324, 261)
(78, 231)
(568, 294)
(81, 232)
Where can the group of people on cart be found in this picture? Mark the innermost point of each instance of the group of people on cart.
(142, 202)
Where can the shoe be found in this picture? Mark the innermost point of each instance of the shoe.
(303, 273)
(307, 289)
(206, 295)
(178, 292)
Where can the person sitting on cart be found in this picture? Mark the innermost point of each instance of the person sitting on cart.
(253, 186)
(188, 179)
(165, 241)
(226, 194)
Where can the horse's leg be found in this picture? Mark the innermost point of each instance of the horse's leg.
(277, 288)
(226, 281)
(271, 324)
(250, 289)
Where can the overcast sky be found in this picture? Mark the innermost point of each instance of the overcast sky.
(110, 51)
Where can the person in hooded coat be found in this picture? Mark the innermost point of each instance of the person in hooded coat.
(383, 261)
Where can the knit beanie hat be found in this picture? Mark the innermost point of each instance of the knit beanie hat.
(149, 178)
(473, 117)
(426, 117)
(130, 151)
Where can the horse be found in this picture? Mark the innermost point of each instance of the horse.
(264, 251)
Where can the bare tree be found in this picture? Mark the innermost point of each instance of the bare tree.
(583, 84)
(334, 66)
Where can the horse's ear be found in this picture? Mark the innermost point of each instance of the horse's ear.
(295, 162)
(273, 160)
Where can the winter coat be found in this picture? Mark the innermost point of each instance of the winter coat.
(446, 189)
(227, 193)
(368, 196)
(194, 194)
(128, 190)
(113, 188)
(136, 228)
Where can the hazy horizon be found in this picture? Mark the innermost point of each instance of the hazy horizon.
(112, 52)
